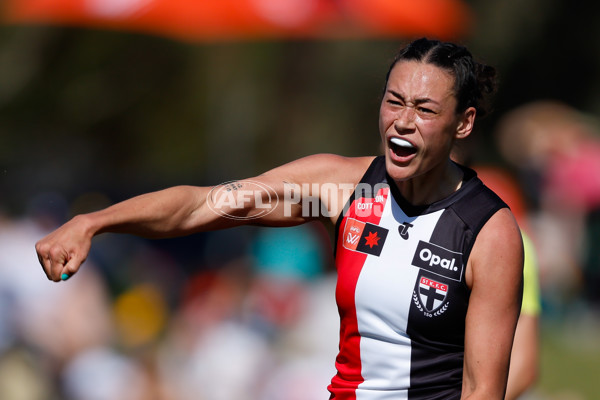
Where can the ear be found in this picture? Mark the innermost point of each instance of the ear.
(466, 123)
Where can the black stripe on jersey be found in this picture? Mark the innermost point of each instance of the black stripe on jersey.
(438, 336)
(482, 204)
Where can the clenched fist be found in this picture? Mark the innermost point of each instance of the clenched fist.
(62, 252)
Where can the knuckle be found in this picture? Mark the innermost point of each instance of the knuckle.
(55, 252)
(40, 247)
(71, 269)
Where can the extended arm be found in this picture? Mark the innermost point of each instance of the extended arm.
(183, 210)
(159, 214)
(495, 275)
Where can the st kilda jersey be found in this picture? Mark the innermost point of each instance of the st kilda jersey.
(401, 289)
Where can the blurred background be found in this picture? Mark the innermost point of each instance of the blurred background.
(101, 100)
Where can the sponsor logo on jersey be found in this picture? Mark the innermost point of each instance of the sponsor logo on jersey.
(403, 230)
(363, 237)
(440, 261)
(432, 293)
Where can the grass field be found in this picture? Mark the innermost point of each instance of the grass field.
(570, 360)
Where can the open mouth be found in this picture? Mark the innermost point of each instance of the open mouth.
(401, 147)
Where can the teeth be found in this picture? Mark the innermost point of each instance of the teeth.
(401, 142)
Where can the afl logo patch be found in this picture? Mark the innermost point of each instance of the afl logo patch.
(438, 260)
(363, 237)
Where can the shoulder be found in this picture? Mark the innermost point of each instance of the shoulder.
(498, 248)
(325, 160)
(329, 177)
(502, 227)
(323, 168)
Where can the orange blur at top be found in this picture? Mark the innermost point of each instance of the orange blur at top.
(209, 20)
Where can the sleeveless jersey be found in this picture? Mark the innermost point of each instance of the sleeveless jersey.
(401, 290)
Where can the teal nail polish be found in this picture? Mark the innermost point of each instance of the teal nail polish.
(64, 277)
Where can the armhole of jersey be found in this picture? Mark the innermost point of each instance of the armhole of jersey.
(370, 175)
(476, 217)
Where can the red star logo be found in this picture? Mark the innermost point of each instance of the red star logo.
(372, 239)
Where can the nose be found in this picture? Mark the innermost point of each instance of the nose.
(405, 119)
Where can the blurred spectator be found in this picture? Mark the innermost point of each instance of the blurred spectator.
(210, 350)
(263, 325)
(83, 321)
(307, 347)
(556, 150)
(284, 262)
(294, 298)
(104, 374)
(57, 352)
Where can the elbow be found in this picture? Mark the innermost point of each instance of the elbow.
(521, 381)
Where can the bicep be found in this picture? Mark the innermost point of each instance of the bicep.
(308, 188)
(312, 187)
(495, 274)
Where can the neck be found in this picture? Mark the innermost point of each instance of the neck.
(432, 186)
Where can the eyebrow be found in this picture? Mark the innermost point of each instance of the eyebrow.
(417, 101)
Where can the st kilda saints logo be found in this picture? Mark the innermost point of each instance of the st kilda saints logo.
(431, 296)
(431, 293)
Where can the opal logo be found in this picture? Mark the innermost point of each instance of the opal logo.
(433, 259)
(438, 260)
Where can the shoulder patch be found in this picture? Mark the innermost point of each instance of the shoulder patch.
(363, 237)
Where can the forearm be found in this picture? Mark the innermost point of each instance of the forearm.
(481, 396)
(171, 212)
(166, 213)
(488, 343)
(489, 387)
(524, 357)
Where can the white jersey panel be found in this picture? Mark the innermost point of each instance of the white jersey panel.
(383, 298)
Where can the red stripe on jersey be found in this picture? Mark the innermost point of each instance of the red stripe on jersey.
(349, 264)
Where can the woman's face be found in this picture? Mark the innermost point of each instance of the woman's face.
(418, 121)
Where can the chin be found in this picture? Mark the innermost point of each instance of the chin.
(398, 172)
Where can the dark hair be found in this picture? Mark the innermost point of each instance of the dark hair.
(473, 81)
